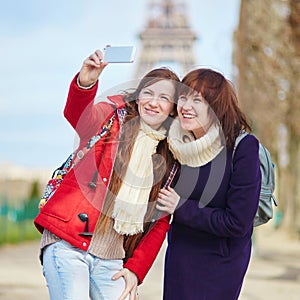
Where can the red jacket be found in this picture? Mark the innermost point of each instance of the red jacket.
(74, 196)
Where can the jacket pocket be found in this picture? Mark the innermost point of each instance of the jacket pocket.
(63, 203)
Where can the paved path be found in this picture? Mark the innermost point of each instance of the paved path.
(274, 271)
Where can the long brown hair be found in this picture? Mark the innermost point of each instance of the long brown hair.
(162, 161)
(222, 99)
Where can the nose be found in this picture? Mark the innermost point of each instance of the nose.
(187, 105)
(153, 101)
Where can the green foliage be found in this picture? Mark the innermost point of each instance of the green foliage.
(35, 191)
(17, 223)
(15, 232)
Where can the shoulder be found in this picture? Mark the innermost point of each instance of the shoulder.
(109, 105)
(248, 148)
(246, 163)
(117, 100)
(249, 140)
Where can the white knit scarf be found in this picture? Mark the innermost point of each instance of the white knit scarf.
(131, 202)
(191, 152)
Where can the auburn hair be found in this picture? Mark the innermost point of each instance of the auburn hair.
(162, 160)
(222, 99)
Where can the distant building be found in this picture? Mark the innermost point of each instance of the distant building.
(167, 39)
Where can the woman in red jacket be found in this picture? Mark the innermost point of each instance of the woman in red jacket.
(98, 215)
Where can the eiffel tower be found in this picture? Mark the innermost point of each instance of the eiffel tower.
(167, 39)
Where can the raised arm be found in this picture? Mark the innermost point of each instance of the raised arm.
(80, 111)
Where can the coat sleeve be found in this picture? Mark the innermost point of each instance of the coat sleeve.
(236, 218)
(80, 111)
(147, 250)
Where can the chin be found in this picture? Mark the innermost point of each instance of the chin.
(186, 126)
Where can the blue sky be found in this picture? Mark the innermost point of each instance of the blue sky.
(43, 44)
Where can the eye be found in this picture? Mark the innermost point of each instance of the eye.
(165, 98)
(182, 98)
(146, 94)
(197, 100)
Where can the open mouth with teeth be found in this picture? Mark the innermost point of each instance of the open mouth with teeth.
(188, 116)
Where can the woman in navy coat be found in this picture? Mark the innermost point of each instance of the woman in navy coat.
(209, 244)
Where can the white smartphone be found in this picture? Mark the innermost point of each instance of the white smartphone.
(119, 54)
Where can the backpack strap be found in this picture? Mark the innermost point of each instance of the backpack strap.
(73, 159)
(237, 141)
(93, 140)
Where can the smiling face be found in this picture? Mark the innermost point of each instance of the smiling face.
(156, 102)
(193, 113)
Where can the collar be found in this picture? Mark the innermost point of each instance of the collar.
(191, 152)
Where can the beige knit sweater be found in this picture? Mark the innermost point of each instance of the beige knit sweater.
(108, 245)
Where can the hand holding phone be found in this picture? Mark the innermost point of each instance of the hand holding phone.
(119, 54)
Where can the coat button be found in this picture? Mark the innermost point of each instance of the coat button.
(84, 244)
(104, 179)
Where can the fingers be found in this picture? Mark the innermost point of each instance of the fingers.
(124, 294)
(131, 282)
(167, 200)
(91, 69)
(167, 194)
(163, 209)
(163, 201)
(117, 275)
(132, 292)
(133, 295)
(95, 59)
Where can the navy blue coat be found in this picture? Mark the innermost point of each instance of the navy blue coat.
(209, 244)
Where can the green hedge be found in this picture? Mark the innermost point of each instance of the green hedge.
(16, 223)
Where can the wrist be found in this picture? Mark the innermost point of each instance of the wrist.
(84, 87)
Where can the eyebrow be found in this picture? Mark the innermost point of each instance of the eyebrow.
(191, 94)
(164, 94)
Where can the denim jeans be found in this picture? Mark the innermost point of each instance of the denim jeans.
(74, 274)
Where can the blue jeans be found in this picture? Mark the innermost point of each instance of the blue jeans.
(74, 274)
